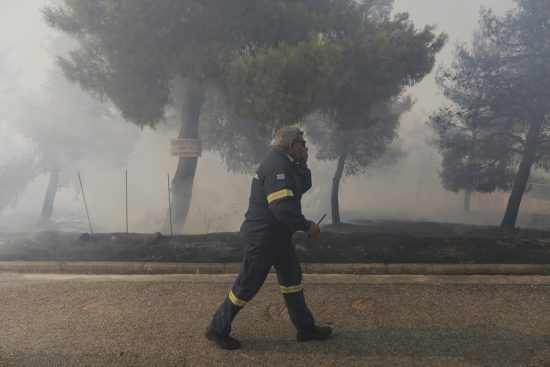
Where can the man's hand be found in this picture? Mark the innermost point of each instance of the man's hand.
(313, 230)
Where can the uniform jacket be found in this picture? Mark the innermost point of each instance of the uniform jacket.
(274, 209)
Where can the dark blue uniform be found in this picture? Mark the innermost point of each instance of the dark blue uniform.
(273, 215)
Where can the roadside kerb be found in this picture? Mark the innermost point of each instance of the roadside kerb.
(137, 267)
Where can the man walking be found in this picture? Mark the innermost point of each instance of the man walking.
(273, 215)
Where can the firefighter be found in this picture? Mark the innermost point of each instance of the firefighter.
(273, 215)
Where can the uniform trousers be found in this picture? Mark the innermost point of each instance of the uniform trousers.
(280, 253)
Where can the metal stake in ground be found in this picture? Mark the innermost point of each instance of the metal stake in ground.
(85, 205)
(169, 205)
(126, 201)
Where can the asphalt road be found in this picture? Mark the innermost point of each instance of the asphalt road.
(158, 320)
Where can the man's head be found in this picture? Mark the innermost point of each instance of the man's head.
(290, 139)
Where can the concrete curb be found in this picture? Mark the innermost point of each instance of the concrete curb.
(136, 267)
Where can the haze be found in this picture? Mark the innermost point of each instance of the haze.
(410, 189)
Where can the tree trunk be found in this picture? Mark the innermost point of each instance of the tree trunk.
(335, 206)
(49, 198)
(514, 201)
(467, 199)
(182, 183)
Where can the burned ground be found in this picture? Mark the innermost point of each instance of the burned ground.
(368, 242)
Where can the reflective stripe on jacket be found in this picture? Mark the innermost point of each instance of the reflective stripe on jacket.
(274, 205)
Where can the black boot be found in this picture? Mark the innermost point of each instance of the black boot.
(222, 341)
(314, 333)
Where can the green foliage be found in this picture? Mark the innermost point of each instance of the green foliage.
(241, 143)
(345, 74)
(120, 57)
(131, 50)
(379, 60)
(473, 159)
(335, 72)
(274, 62)
(281, 85)
(477, 145)
(499, 89)
(364, 144)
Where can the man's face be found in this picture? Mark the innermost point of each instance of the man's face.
(298, 149)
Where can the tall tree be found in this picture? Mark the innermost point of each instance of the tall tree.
(522, 86)
(515, 86)
(382, 59)
(357, 148)
(64, 128)
(478, 155)
(364, 61)
(305, 71)
(134, 52)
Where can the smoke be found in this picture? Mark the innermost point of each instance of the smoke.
(45, 121)
(56, 127)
